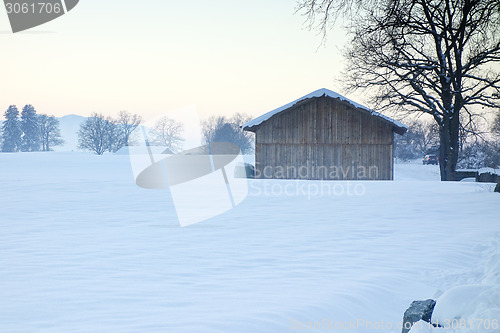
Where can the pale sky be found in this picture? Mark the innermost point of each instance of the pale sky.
(156, 56)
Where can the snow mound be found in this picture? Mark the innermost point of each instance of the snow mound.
(469, 308)
(421, 327)
(489, 170)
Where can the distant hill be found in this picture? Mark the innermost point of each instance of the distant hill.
(69, 126)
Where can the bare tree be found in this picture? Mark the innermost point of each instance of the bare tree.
(95, 134)
(429, 56)
(478, 154)
(427, 137)
(168, 132)
(495, 128)
(222, 129)
(99, 133)
(421, 138)
(113, 136)
(50, 134)
(127, 123)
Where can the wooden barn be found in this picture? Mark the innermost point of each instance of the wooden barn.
(324, 136)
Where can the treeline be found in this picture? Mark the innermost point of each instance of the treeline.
(101, 134)
(28, 131)
(478, 148)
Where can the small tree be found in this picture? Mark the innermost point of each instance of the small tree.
(167, 132)
(473, 155)
(222, 129)
(11, 130)
(420, 139)
(94, 134)
(478, 151)
(479, 154)
(114, 140)
(100, 134)
(50, 134)
(405, 148)
(30, 128)
(127, 123)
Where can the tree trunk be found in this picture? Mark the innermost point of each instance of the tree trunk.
(448, 151)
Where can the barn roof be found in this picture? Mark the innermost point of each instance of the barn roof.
(399, 128)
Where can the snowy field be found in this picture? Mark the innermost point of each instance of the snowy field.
(83, 249)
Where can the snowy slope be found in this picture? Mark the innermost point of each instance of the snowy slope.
(82, 249)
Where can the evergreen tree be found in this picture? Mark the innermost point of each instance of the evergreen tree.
(30, 128)
(50, 135)
(11, 130)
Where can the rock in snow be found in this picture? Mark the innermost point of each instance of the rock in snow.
(418, 310)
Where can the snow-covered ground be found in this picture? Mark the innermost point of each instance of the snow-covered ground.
(83, 249)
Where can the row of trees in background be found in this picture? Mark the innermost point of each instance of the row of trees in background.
(29, 131)
(106, 134)
(477, 148)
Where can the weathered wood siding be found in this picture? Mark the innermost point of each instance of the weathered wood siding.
(324, 138)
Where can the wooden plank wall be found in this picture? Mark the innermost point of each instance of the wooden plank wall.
(324, 138)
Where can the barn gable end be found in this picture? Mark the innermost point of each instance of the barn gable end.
(325, 138)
